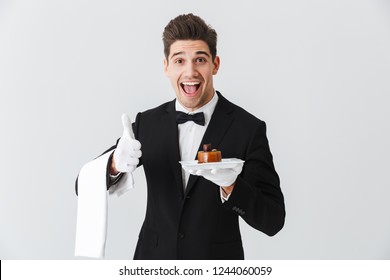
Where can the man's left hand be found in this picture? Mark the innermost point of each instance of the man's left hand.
(222, 177)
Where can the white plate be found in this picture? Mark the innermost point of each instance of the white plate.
(225, 163)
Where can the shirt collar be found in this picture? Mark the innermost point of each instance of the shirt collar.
(207, 109)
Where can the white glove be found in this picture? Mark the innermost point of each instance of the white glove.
(223, 177)
(128, 150)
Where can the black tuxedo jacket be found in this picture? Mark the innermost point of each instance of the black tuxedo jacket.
(192, 222)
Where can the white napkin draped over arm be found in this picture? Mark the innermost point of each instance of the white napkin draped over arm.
(91, 227)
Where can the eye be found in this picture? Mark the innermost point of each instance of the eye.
(200, 60)
(179, 61)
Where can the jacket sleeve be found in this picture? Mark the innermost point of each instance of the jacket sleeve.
(257, 196)
(107, 181)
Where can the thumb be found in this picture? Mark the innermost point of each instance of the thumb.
(127, 126)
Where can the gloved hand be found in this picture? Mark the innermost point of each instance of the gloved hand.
(128, 150)
(223, 177)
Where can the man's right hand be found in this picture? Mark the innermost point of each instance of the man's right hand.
(128, 151)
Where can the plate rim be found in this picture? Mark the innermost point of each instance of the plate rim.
(196, 164)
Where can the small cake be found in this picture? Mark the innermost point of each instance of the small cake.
(209, 155)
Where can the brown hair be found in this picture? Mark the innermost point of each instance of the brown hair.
(189, 27)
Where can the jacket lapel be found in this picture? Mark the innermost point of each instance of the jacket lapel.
(169, 122)
(216, 130)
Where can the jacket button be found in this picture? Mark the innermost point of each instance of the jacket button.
(182, 235)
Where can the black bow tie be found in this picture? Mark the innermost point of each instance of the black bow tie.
(197, 118)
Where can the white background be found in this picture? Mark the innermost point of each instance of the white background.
(318, 73)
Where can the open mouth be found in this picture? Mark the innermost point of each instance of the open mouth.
(190, 88)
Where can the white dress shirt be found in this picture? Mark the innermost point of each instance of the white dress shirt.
(191, 134)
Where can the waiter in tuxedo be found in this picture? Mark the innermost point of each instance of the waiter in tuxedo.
(194, 214)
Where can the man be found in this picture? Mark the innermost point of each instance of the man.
(193, 214)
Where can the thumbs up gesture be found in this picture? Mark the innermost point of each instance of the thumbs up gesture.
(128, 151)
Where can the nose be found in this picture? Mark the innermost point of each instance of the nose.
(190, 70)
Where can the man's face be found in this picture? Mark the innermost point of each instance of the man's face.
(190, 68)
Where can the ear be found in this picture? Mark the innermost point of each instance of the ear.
(216, 63)
(165, 67)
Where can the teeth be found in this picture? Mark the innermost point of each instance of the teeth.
(190, 83)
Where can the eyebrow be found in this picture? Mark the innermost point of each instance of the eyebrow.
(198, 52)
(203, 52)
(175, 54)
